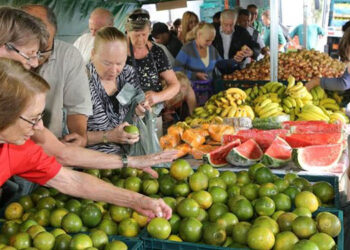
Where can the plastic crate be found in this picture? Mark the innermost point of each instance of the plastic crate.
(132, 243)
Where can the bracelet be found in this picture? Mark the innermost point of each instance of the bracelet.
(124, 160)
(104, 137)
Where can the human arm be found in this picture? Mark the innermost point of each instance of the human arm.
(86, 158)
(335, 84)
(190, 99)
(77, 125)
(86, 186)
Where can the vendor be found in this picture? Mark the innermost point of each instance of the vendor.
(266, 19)
(22, 102)
(107, 76)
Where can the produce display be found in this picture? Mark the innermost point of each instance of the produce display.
(303, 64)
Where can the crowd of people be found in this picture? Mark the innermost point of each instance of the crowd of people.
(60, 103)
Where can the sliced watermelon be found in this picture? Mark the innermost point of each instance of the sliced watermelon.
(318, 158)
(246, 154)
(263, 137)
(304, 140)
(310, 127)
(217, 157)
(278, 154)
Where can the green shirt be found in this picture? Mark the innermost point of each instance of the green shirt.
(266, 36)
(258, 26)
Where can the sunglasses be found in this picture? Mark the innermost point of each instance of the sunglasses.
(138, 17)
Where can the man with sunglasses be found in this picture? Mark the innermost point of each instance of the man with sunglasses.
(62, 66)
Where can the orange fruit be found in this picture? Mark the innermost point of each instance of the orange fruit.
(150, 186)
(324, 191)
(108, 226)
(116, 245)
(240, 232)
(42, 217)
(260, 238)
(133, 183)
(26, 202)
(243, 209)
(128, 172)
(119, 213)
(140, 219)
(73, 206)
(323, 241)
(243, 178)
(170, 201)
(62, 242)
(302, 211)
(71, 223)
(44, 241)
(99, 238)
(291, 191)
(218, 194)
(180, 169)
(35, 230)
(131, 129)
(203, 198)
(267, 189)
(290, 177)
(285, 241)
(159, 228)
(250, 191)
(328, 223)
(128, 228)
(198, 181)
(188, 208)
(265, 221)
(214, 234)
(304, 227)
(91, 215)
(217, 182)
(27, 224)
(174, 238)
(263, 175)
(216, 210)
(56, 216)
(227, 221)
(202, 216)
(57, 231)
(264, 206)
(233, 190)
(277, 214)
(305, 245)
(20, 240)
(252, 170)
(181, 189)
(166, 184)
(306, 199)
(208, 170)
(175, 223)
(301, 183)
(281, 184)
(229, 177)
(282, 202)
(285, 221)
(14, 211)
(190, 229)
(80, 241)
(39, 193)
(46, 202)
(93, 172)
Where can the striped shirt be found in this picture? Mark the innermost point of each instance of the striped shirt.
(104, 116)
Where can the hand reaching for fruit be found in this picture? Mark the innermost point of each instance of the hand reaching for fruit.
(120, 135)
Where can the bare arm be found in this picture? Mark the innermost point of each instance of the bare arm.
(191, 100)
(77, 126)
(89, 187)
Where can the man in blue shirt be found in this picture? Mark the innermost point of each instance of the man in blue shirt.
(313, 32)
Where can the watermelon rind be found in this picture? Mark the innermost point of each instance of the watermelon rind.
(299, 162)
(237, 159)
(222, 162)
(272, 161)
(270, 122)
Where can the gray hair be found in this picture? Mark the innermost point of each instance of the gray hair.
(19, 28)
(229, 14)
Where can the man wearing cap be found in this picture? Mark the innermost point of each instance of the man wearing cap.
(161, 34)
(99, 18)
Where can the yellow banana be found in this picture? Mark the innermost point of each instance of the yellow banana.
(218, 110)
(244, 113)
(264, 103)
(292, 115)
(256, 90)
(238, 112)
(297, 87)
(224, 100)
(239, 102)
(307, 97)
(271, 113)
(232, 112)
(299, 102)
(320, 92)
(218, 103)
(225, 112)
(314, 94)
(300, 93)
(248, 91)
(291, 82)
(238, 91)
(281, 90)
(314, 109)
(286, 109)
(331, 106)
(327, 101)
(263, 90)
(293, 101)
(287, 103)
(276, 86)
(268, 108)
(250, 112)
(337, 97)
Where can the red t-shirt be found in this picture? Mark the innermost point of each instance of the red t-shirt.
(28, 161)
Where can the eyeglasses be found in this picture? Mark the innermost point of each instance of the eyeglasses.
(139, 17)
(33, 123)
(28, 58)
(47, 51)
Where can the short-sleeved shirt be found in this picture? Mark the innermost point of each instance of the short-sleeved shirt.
(84, 44)
(149, 68)
(105, 116)
(258, 26)
(266, 36)
(28, 161)
(65, 73)
(312, 32)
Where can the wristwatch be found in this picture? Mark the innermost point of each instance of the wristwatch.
(124, 160)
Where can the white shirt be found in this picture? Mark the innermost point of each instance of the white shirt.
(84, 44)
(226, 43)
(69, 86)
(259, 40)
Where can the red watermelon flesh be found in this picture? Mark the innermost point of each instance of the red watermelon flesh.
(304, 140)
(263, 137)
(318, 158)
(279, 149)
(250, 149)
(309, 127)
(217, 157)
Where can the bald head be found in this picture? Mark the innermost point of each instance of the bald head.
(100, 18)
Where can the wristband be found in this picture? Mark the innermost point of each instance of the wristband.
(104, 137)
(124, 160)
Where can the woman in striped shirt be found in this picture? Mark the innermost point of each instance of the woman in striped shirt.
(107, 76)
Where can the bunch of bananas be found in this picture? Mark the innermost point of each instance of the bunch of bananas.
(268, 108)
(311, 112)
(269, 88)
(320, 98)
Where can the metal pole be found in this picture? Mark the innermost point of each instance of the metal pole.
(305, 9)
(274, 40)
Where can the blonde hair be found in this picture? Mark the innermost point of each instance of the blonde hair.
(203, 27)
(182, 78)
(108, 34)
(20, 28)
(185, 22)
(18, 87)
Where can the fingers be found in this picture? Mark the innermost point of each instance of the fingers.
(170, 154)
(164, 210)
(151, 172)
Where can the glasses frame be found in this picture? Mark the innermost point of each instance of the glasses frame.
(33, 123)
(47, 51)
(10, 46)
